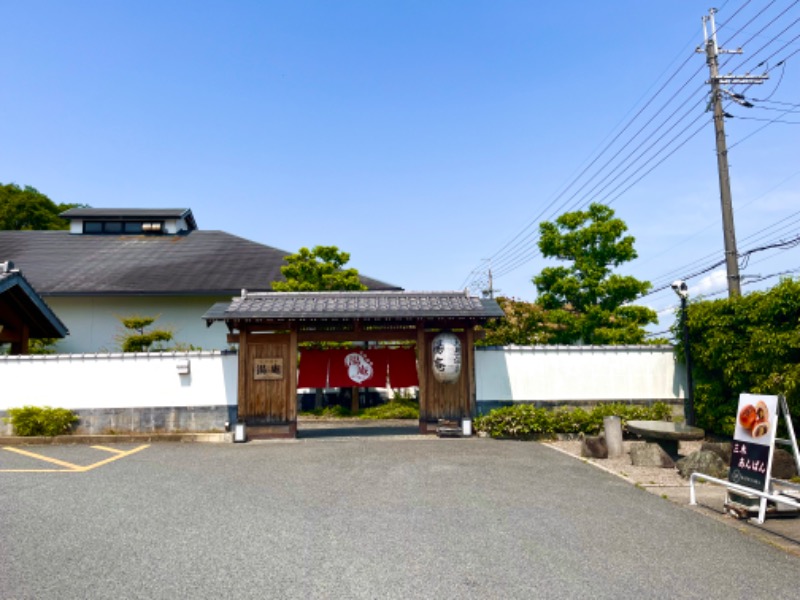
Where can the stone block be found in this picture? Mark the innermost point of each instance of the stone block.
(721, 449)
(783, 464)
(648, 454)
(594, 446)
(703, 461)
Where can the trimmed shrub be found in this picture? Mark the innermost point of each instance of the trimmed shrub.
(328, 412)
(37, 420)
(525, 421)
(399, 408)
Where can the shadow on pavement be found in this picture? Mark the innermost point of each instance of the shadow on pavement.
(351, 429)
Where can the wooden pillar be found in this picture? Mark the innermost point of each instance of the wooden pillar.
(468, 350)
(20, 346)
(241, 388)
(422, 375)
(292, 374)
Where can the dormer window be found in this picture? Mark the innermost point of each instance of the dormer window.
(130, 221)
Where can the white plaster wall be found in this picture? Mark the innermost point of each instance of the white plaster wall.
(93, 324)
(80, 381)
(565, 373)
(556, 374)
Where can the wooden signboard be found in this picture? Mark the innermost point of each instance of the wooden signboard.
(267, 369)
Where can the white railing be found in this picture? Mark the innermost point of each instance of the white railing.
(738, 488)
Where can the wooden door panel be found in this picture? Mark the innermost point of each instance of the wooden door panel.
(267, 389)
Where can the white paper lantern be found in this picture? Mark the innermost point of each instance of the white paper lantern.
(446, 354)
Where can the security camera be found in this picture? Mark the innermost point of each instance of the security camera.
(680, 288)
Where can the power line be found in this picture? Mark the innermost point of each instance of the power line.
(522, 249)
(782, 244)
(609, 177)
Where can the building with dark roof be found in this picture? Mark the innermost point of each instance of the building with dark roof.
(24, 315)
(154, 262)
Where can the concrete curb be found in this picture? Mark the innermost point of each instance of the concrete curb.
(123, 438)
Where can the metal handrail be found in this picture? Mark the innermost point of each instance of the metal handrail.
(738, 488)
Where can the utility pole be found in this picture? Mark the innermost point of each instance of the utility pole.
(489, 292)
(712, 52)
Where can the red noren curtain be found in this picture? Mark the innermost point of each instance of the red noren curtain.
(313, 369)
(403, 368)
(357, 368)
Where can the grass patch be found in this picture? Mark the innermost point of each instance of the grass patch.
(328, 412)
(400, 408)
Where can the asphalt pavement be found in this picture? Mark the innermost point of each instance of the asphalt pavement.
(359, 517)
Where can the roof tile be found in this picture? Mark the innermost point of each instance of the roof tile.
(340, 305)
(200, 262)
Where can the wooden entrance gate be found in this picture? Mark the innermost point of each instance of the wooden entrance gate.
(268, 327)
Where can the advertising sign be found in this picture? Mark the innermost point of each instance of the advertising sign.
(754, 441)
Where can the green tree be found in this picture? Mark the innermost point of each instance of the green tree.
(525, 324)
(136, 339)
(586, 301)
(27, 208)
(319, 269)
(747, 344)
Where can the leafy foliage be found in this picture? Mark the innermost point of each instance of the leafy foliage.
(588, 303)
(42, 345)
(399, 408)
(525, 324)
(749, 344)
(136, 339)
(525, 421)
(36, 420)
(27, 208)
(319, 269)
(334, 411)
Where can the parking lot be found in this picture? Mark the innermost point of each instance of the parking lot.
(46, 459)
(357, 518)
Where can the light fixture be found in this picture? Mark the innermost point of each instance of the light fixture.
(682, 290)
(239, 433)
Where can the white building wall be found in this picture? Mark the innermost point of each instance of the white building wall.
(149, 391)
(562, 374)
(94, 325)
(194, 391)
(87, 381)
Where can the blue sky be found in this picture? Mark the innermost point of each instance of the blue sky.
(422, 137)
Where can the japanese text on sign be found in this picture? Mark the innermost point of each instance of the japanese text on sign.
(268, 368)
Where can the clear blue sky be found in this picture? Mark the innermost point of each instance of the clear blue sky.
(422, 137)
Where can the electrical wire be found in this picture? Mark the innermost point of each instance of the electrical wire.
(521, 248)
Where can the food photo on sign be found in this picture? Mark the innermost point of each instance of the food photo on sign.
(756, 418)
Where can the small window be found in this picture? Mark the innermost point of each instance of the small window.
(127, 227)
